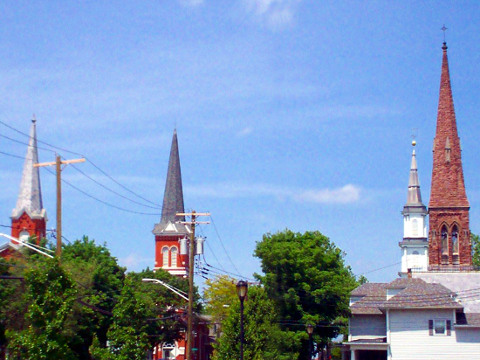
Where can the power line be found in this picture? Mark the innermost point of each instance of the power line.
(102, 201)
(223, 246)
(113, 191)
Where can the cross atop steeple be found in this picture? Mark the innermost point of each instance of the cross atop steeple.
(444, 29)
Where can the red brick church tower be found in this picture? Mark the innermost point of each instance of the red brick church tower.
(449, 234)
(169, 233)
(29, 217)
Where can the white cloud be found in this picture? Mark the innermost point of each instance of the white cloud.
(343, 195)
(275, 13)
(135, 261)
(190, 3)
(244, 132)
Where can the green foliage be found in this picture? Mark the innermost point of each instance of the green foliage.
(264, 339)
(128, 335)
(306, 276)
(146, 314)
(475, 239)
(51, 294)
(64, 311)
(218, 295)
(99, 280)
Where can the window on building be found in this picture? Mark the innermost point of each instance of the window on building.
(24, 235)
(174, 252)
(165, 256)
(414, 227)
(444, 240)
(439, 327)
(455, 240)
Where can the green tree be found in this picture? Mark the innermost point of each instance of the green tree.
(306, 276)
(99, 282)
(264, 339)
(128, 334)
(475, 239)
(51, 294)
(219, 294)
(145, 315)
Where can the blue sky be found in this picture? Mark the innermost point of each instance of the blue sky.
(290, 114)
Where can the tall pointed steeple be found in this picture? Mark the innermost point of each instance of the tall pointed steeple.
(169, 231)
(173, 196)
(414, 197)
(449, 236)
(29, 216)
(414, 245)
(448, 187)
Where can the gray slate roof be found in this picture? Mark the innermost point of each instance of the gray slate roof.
(173, 195)
(30, 194)
(409, 294)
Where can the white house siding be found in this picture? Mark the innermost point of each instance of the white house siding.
(410, 339)
(367, 327)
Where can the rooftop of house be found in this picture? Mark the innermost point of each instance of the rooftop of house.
(401, 293)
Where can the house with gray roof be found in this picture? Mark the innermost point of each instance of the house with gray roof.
(432, 311)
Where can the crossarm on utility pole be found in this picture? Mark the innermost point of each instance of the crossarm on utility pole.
(58, 165)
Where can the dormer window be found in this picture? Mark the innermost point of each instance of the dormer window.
(447, 150)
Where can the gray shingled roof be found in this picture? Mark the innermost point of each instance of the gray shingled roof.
(412, 294)
(30, 194)
(421, 295)
(373, 296)
(173, 195)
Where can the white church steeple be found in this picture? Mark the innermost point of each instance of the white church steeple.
(415, 244)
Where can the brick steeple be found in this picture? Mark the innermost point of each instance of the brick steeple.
(168, 232)
(29, 217)
(449, 235)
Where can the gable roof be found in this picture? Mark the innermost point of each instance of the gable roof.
(406, 293)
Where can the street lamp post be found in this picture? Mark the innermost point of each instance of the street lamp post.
(310, 341)
(242, 288)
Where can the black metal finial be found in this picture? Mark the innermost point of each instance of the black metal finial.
(444, 29)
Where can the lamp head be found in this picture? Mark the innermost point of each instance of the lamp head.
(242, 288)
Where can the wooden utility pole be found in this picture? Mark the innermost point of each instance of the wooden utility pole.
(58, 166)
(191, 257)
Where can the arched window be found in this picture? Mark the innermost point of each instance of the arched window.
(165, 256)
(174, 252)
(24, 235)
(455, 240)
(444, 240)
(414, 227)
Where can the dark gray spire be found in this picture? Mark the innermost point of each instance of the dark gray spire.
(30, 194)
(173, 196)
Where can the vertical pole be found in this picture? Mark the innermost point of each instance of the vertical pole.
(190, 290)
(310, 347)
(58, 163)
(242, 334)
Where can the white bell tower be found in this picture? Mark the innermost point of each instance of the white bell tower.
(414, 246)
